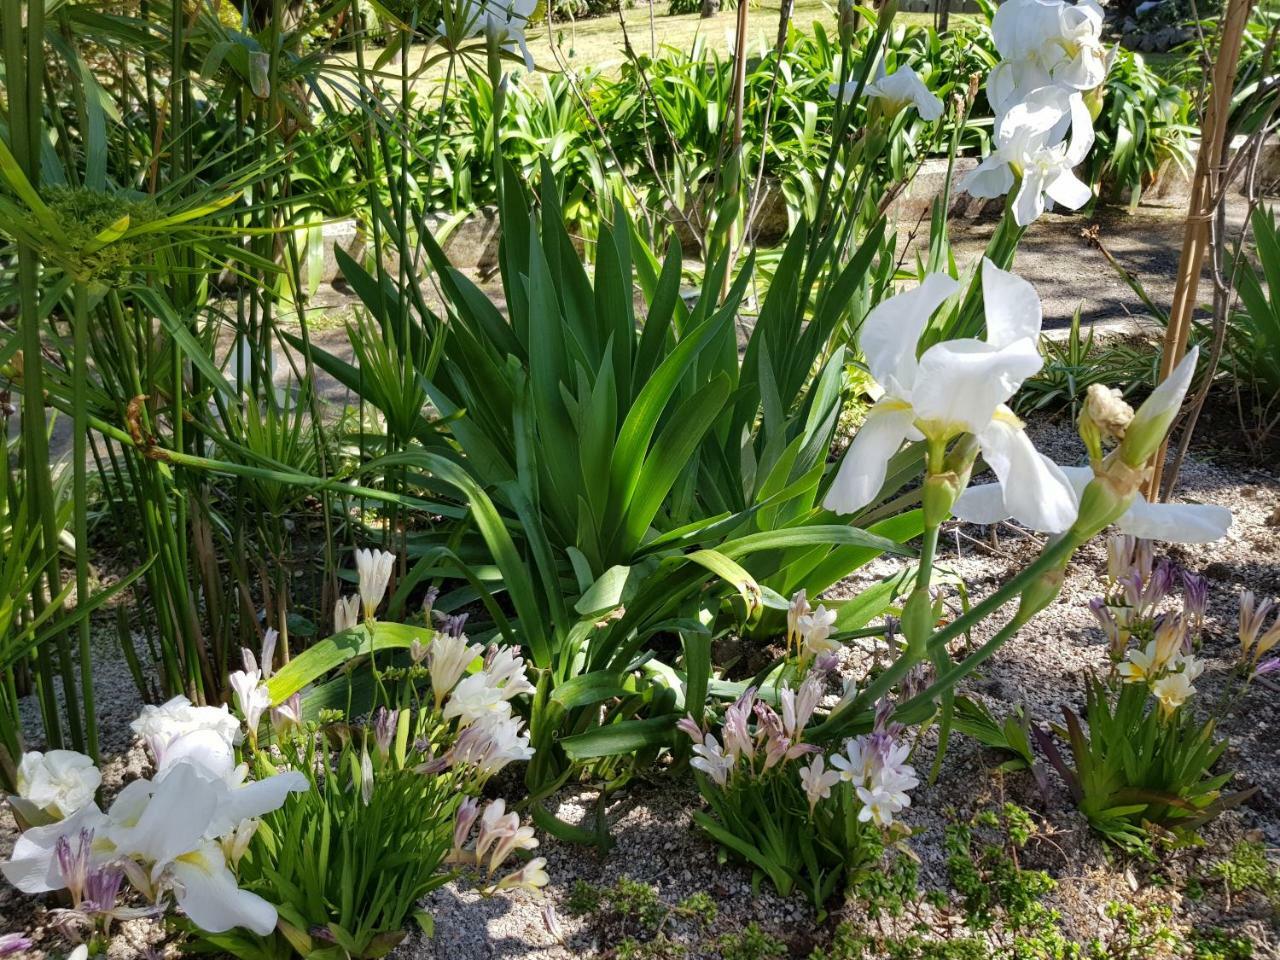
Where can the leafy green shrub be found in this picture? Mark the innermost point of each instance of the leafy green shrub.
(1144, 125)
(1253, 354)
(1138, 766)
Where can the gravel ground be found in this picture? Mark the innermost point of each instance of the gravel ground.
(1043, 668)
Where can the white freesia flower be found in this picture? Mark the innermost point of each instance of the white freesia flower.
(1043, 42)
(59, 782)
(506, 672)
(1173, 690)
(492, 742)
(532, 876)
(374, 570)
(898, 90)
(475, 697)
(1029, 145)
(815, 630)
(955, 387)
(817, 781)
(1171, 522)
(251, 695)
(448, 657)
(709, 758)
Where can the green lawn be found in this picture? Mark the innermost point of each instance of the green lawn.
(598, 43)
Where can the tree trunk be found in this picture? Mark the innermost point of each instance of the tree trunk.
(941, 15)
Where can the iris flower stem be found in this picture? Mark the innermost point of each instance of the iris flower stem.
(1053, 555)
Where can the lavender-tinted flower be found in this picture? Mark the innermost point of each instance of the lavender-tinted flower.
(709, 758)
(807, 699)
(688, 726)
(1267, 666)
(1117, 638)
(465, 820)
(883, 722)
(434, 765)
(491, 743)
(73, 863)
(1119, 556)
(917, 680)
(1161, 582)
(1195, 595)
(1252, 617)
(521, 838)
(11, 943)
(322, 933)
(776, 748)
(384, 730)
(102, 889)
(1131, 590)
(768, 723)
(495, 824)
(1143, 558)
(737, 737)
(429, 601)
(828, 662)
(455, 626)
(817, 781)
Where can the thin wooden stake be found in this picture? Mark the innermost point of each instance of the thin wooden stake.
(1206, 193)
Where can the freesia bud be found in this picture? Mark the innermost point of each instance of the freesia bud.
(14, 943)
(345, 613)
(236, 844)
(374, 569)
(1195, 592)
(384, 730)
(287, 717)
(269, 641)
(466, 818)
(366, 777)
(688, 726)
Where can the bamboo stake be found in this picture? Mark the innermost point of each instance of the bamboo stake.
(1206, 193)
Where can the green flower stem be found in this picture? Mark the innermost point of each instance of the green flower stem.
(1054, 556)
(80, 499)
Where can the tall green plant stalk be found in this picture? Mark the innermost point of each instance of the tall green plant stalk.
(80, 498)
(24, 25)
